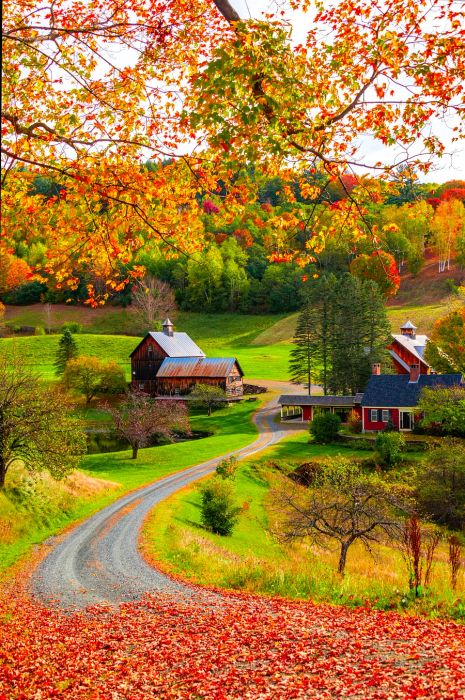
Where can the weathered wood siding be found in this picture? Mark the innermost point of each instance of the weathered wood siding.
(172, 386)
(146, 360)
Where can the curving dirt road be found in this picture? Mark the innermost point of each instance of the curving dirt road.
(98, 562)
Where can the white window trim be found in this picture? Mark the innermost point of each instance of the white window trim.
(375, 412)
(384, 413)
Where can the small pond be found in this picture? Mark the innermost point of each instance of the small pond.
(100, 441)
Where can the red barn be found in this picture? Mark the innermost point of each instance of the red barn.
(168, 363)
(408, 349)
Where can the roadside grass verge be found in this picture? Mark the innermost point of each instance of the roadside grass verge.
(252, 560)
(31, 510)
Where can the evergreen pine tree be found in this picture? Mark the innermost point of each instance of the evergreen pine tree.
(323, 299)
(304, 351)
(67, 350)
(360, 333)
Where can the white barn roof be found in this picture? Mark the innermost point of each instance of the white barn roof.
(177, 345)
(415, 345)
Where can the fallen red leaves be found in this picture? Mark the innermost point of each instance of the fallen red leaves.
(226, 647)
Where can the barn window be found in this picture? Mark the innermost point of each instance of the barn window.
(385, 415)
(374, 415)
(150, 349)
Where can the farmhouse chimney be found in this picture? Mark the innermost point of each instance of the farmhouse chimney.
(376, 369)
(167, 327)
(414, 373)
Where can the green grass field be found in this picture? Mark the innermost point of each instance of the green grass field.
(253, 560)
(222, 335)
(260, 343)
(31, 511)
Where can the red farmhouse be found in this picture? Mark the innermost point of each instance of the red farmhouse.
(393, 398)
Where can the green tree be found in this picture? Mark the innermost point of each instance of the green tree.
(389, 448)
(234, 279)
(90, 376)
(325, 427)
(360, 333)
(67, 350)
(304, 351)
(218, 510)
(204, 279)
(208, 396)
(439, 484)
(444, 407)
(36, 426)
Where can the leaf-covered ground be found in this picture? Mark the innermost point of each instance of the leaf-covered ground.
(226, 647)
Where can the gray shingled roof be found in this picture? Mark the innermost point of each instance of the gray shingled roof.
(305, 400)
(396, 390)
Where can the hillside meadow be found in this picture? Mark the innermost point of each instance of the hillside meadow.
(35, 507)
(261, 343)
(251, 559)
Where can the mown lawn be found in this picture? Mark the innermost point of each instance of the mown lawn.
(218, 336)
(253, 559)
(29, 514)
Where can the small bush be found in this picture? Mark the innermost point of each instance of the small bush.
(354, 423)
(72, 327)
(219, 512)
(227, 468)
(325, 428)
(389, 447)
(39, 330)
(28, 293)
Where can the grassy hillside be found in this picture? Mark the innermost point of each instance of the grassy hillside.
(33, 508)
(261, 343)
(252, 559)
(217, 335)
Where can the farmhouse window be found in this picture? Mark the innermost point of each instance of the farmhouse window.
(385, 416)
(374, 415)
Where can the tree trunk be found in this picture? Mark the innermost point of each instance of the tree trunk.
(135, 450)
(342, 557)
(3, 469)
(209, 409)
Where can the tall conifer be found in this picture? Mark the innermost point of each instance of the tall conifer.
(305, 346)
(67, 350)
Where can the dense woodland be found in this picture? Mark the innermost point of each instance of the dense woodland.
(262, 256)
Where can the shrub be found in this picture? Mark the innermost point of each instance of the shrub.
(28, 293)
(72, 327)
(219, 513)
(354, 423)
(227, 468)
(39, 330)
(325, 427)
(389, 447)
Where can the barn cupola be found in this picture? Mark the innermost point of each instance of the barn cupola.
(409, 330)
(167, 327)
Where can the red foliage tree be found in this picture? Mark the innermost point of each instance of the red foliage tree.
(381, 268)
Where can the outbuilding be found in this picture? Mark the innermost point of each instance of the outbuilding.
(169, 363)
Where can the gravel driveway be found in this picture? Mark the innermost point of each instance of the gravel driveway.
(98, 562)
